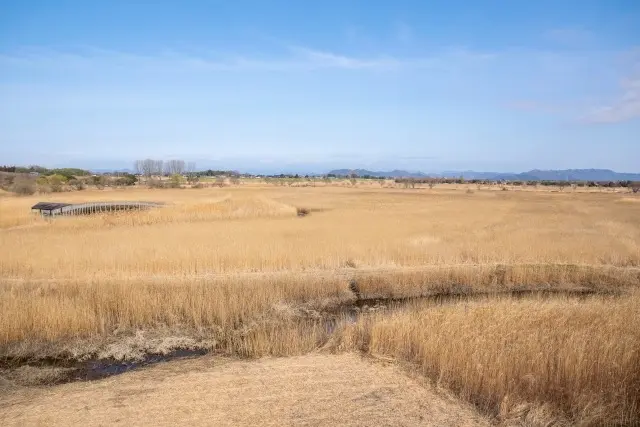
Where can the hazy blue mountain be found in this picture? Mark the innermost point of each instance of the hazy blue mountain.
(584, 175)
(532, 175)
(396, 173)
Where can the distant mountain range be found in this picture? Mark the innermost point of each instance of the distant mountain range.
(532, 175)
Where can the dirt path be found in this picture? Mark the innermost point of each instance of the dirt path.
(307, 390)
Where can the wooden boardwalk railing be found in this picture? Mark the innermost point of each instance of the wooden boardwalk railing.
(98, 207)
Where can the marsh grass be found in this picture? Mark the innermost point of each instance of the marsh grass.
(551, 359)
(238, 270)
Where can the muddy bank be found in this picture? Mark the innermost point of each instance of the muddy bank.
(325, 322)
(379, 302)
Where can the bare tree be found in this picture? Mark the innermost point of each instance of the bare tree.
(158, 167)
(137, 167)
(191, 172)
(146, 167)
(174, 167)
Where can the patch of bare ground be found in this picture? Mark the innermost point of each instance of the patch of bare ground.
(315, 389)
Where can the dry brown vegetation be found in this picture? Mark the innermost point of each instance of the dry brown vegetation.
(539, 361)
(239, 271)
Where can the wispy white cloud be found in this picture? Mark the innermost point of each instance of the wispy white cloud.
(596, 74)
(537, 106)
(519, 75)
(163, 61)
(292, 58)
(625, 105)
(324, 59)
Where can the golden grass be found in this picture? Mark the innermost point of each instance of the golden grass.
(238, 266)
(366, 228)
(219, 256)
(546, 360)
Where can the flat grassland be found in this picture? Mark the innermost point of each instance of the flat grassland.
(310, 390)
(236, 270)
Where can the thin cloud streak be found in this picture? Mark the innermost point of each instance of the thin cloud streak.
(293, 58)
(296, 58)
(323, 59)
(617, 107)
(626, 106)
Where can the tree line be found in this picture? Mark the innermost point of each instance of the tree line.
(150, 167)
(69, 173)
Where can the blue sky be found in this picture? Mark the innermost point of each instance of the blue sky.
(297, 85)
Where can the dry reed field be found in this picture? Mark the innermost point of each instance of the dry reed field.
(236, 270)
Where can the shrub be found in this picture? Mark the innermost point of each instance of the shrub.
(66, 175)
(56, 181)
(175, 181)
(43, 188)
(127, 180)
(155, 183)
(62, 179)
(6, 180)
(71, 172)
(23, 187)
(77, 184)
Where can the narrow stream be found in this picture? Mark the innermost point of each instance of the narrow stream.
(350, 311)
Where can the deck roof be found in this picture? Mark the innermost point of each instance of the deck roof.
(49, 206)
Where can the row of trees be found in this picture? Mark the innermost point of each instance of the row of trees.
(211, 172)
(69, 173)
(150, 167)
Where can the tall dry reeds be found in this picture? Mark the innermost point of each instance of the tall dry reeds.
(239, 267)
(537, 361)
